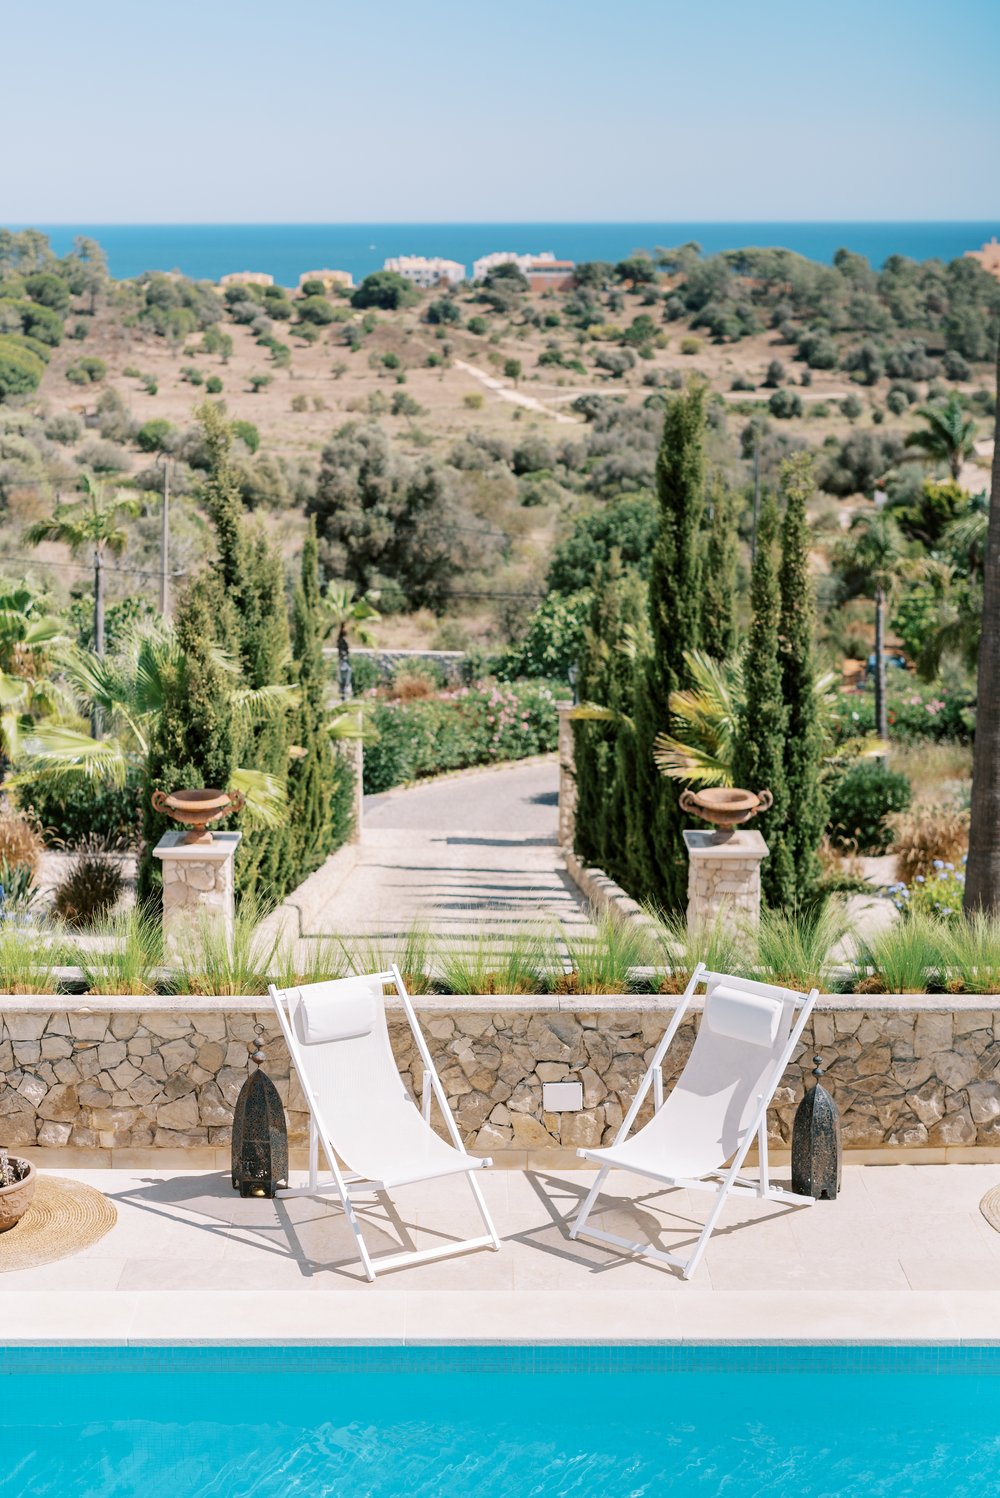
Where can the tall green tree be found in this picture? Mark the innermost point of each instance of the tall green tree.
(617, 613)
(982, 875)
(191, 742)
(318, 778)
(947, 436)
(802, 828)
(760, 747)
(659, 864)
(247, 585)
(718, 613)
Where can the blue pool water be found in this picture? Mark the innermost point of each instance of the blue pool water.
(535, 1423)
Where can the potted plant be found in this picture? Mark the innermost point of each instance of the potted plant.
(17, 1187)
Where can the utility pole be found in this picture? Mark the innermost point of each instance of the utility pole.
(165, 543)
(96, 717)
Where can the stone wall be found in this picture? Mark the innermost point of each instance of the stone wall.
(908, 1073)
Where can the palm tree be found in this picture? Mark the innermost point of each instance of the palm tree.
(27, 688)
(877, 551)
(982, 875)
(343, 610)
(127, 690)
(706, 718)
(92, 521)
(948, 437)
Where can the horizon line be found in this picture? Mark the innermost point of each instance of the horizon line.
(462, 223)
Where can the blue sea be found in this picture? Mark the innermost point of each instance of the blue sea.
(208, 251)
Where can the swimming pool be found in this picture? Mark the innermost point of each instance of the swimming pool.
(584, 1422)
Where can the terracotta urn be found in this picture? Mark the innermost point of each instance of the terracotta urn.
(195, 809)
(726, 806)
(16, 1199)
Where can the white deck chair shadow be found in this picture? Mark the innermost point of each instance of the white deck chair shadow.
(699, 1137)
(360, 1112)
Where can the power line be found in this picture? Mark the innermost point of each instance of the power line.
(83, 566)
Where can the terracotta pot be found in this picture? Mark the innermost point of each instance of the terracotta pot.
(195, 809)
(15, 1200)
(726, 806)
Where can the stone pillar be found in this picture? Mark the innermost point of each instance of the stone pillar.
(198, 885)
(723, 877)
(567, 776)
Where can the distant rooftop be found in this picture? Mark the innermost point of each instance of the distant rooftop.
(247, 278)
(988, 257)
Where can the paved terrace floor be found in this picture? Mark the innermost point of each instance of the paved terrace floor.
(477, 853)
(903, 1255)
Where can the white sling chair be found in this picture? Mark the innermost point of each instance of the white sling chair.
(746, 1038)
(338, 1041)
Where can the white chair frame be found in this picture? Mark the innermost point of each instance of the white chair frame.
(724, 1182)
(345, 1184)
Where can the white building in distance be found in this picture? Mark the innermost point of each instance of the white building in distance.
(247, 278)
(482, 267)
(424, 270)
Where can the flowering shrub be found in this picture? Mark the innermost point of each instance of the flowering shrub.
(476, 725)
(937, 894)
(916, 711)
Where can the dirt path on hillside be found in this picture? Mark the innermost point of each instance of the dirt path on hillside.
(514, 397)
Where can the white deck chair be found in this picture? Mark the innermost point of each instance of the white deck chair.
(699, 1137)
(360, 1111)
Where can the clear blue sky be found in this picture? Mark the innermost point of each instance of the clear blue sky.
(379, 110)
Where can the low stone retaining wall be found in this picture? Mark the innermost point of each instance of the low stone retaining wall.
(912, 1074)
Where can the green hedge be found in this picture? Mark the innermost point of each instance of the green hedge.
(475, 725)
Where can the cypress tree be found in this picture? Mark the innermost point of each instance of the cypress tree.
(317, 777)
(618, 604)
(658, 866)
(249, 576)
(760, 749)
(192, 743)
(807, 802)
(718, 615)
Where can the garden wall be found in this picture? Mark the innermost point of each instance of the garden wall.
(912, 1074)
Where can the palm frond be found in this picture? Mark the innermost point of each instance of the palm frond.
(264, 704)
(56, 754)
(266, 796)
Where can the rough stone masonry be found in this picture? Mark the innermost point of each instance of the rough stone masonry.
(907, 1072)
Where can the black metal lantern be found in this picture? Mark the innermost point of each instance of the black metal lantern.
(816, 1142)
(260, 1138)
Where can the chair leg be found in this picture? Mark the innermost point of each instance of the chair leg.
(313, 1154)
(484, 1211)
(588, 1205)
(764, 1179)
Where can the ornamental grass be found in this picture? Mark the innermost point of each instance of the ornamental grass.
(910, 956)
(610, 961)
(972, 945)
(520, 960)
(212, 964)
(795, 948)
(130, 954)
(676, 950)
(30, 953)
(411, 952)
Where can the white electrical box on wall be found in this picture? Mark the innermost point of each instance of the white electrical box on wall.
(562, 1097)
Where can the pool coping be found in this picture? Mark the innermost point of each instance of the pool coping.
(384, 1318)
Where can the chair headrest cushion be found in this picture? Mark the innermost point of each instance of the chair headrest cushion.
(335, 1011)
(748, 1017)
